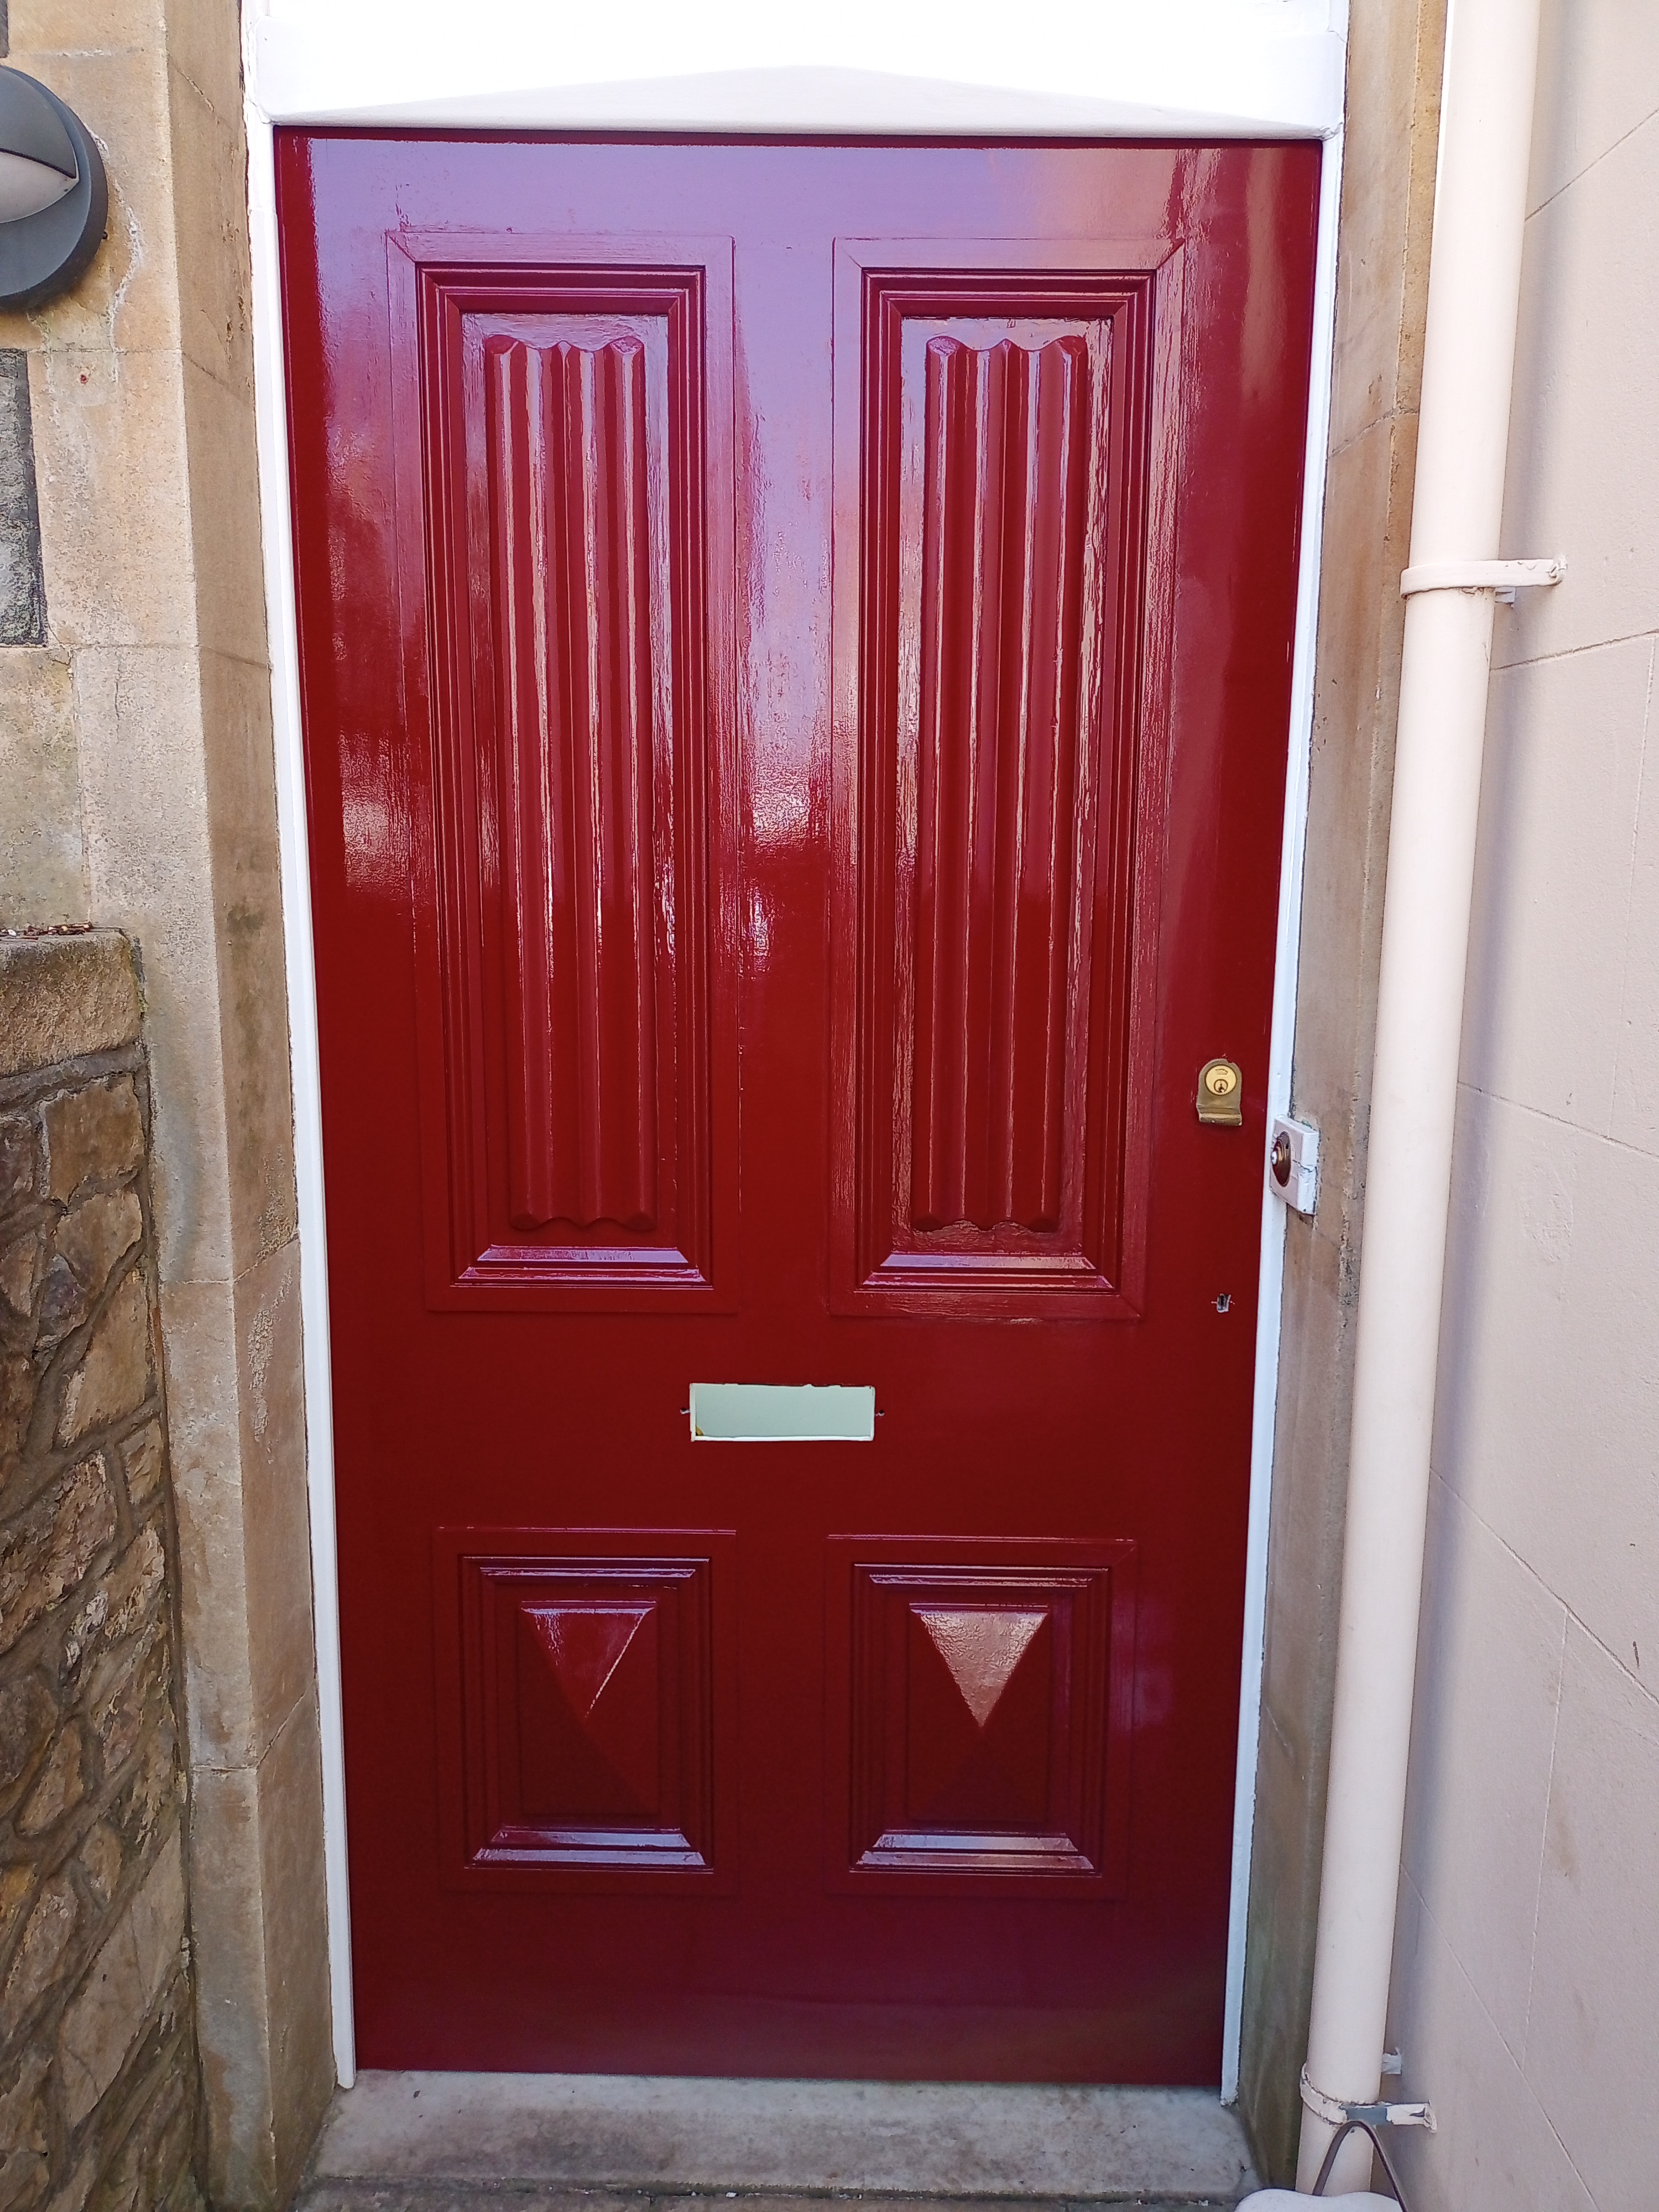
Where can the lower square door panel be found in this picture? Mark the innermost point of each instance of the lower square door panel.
(981, 1696)
(585, 1702)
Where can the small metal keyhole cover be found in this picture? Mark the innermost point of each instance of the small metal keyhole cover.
(1221, 1093)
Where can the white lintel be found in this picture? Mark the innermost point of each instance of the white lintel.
(1187, 69)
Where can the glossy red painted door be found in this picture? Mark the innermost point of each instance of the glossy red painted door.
(796, 651)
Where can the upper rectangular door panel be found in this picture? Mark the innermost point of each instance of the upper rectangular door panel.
(565, 517)
(999, 752)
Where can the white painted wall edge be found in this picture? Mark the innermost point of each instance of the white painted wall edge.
(291, 78)
(281, 618)
(1280, 1073)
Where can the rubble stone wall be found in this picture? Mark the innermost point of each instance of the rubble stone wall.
(100, 2083)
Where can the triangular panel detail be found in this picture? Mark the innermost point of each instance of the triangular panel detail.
(586, 1644)
(980, 1649)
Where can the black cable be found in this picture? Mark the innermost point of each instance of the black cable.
(1337, 2142)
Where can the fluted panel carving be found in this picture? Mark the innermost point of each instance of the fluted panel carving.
(571, 552)
(1004, 521)
(1001, 840)
(565, 529)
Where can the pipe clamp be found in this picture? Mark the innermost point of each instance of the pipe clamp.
(1506, 578)
(1336, 2113)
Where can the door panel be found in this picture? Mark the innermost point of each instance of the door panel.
(566, 593)
(795, 656)
(982, 1716)
(1001, 768)
(585, 1707)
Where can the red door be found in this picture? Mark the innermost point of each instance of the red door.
(796, 651)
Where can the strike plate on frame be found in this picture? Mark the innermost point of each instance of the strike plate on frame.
(1293, 1163)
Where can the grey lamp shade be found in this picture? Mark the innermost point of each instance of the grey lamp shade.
(54, 198)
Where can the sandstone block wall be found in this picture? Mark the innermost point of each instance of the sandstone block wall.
(1395, 49)
(138, 793)
(100, 2083)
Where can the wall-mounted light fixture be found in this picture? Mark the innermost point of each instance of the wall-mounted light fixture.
(54, 200)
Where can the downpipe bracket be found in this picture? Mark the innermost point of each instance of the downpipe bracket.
(1505, 578)
(1336, 2112)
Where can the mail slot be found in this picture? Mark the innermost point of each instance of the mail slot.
(783, 1413)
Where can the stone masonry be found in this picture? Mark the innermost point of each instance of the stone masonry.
(138, 793)
(100, 2083)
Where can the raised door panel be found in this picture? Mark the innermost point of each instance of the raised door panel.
(565, 592)
(982, 1694)
(996, 653)
(568, 633)
(584, 1702)
(1000, 753)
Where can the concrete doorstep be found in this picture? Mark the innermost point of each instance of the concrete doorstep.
(572, 2142)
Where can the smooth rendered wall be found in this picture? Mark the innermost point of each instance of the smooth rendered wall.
(1526, 1994)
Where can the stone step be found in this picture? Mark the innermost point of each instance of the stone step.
(425, 2142)
(508, 2196)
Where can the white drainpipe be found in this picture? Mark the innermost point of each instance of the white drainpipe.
(1474, 279)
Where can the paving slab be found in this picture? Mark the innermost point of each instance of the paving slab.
(674, 2138)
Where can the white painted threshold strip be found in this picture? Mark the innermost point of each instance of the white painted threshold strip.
(783, 1413)
(1190, 69)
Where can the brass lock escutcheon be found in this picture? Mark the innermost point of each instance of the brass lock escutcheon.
(1221, 1093)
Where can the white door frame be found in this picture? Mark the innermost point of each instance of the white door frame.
(1191, 69)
